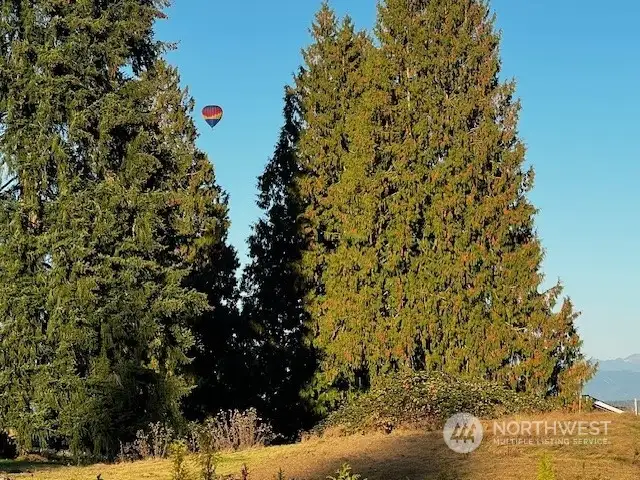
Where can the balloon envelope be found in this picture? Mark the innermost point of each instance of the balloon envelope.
(212, 115)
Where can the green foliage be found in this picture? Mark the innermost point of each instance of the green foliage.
(208, 460)
(329, 86)
(422, 251)
(111, 223)
(204, 443)
(178, 451)
(397, 235)
(345, 474)
(545, 469)
(428, 400)
(282, 361)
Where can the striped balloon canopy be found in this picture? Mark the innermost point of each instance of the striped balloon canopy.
(212, 115)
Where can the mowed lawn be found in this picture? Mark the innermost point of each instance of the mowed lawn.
(400, 455)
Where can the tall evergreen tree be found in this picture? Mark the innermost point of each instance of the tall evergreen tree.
(100, 231)
(273, 305)
(438, 264)
(329, 86)
(464, 224)
(218, 355)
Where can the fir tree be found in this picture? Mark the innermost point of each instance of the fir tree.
(218, 354)
(488, 315)
(101, 229)
(274, 288)
(437, 266)
(329, 86)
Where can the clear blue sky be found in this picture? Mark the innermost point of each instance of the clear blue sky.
(577, 64)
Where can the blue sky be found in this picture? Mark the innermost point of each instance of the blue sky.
(578, 70)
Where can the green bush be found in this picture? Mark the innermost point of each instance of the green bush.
(428, 399)
(206, 453)
(178, 450)
(345, 474)
(545, 469)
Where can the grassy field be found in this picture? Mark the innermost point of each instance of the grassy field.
(400, 455)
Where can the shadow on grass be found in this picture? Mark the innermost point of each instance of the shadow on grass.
(27, 466)
(403, 456)
(409, 457)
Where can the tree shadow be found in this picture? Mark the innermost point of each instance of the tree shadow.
(399, 455)
(27, 466)
(408, 456)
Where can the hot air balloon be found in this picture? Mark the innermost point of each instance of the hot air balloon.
(212, 115)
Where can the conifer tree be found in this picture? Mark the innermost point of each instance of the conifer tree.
(274, 288)
(438, 263)
(329, 86)
(100, 232)
(218, 354)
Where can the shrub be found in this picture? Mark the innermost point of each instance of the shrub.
(345, 474)
(127, 453)
(545, 469)
(141, 445)
(178, 451)
(160, 437)
(192, 436)
(231, 430)
(203, 443)
(150, 443)
(427, 399)
(208, 461)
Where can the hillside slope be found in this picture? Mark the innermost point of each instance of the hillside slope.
(405, 455)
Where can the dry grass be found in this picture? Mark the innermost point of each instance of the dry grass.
(405, 455)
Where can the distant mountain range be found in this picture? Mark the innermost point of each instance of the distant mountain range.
(616, 380)
(628, 364)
